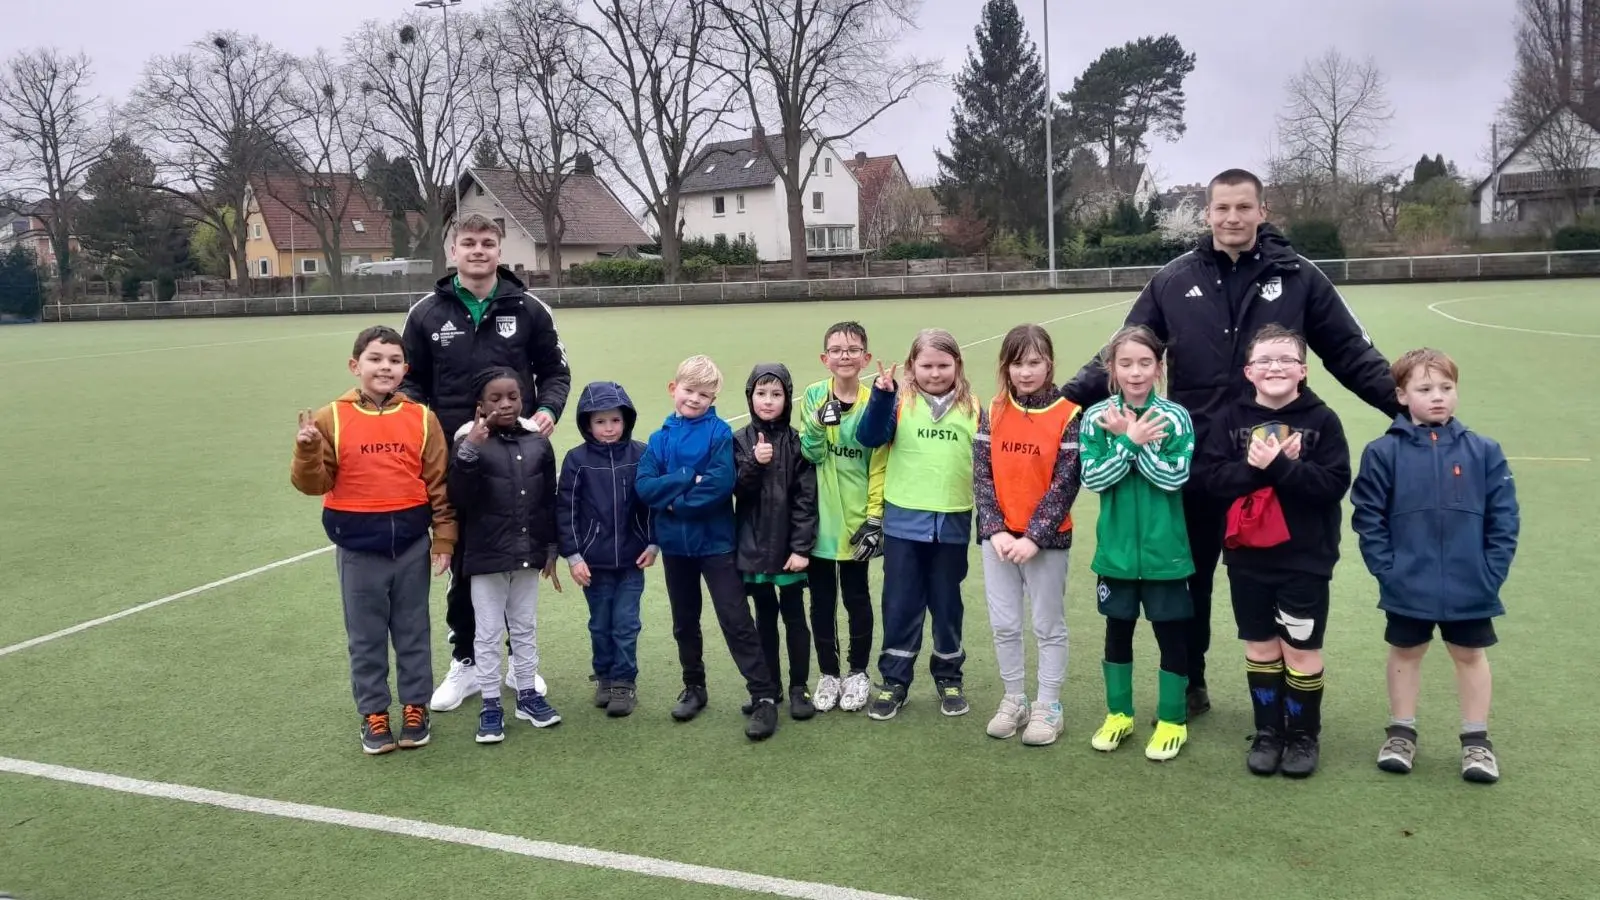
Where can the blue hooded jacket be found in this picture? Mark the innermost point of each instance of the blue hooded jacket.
(600, 518)
(693, 519)
(1436, 514)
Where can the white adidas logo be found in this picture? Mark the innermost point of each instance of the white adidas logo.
(1195, 292)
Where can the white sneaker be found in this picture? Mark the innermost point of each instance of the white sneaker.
(1044, 724)
(857, 691)
(827, 696)
(538, 681)
(1012, 715)
(461, 683)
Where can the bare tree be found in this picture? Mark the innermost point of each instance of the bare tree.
(893, 212)
(824, 69)
(216, 113)
(664, 99)
(331, 136)
(52, 124)
(541, 61)
(414, 77)
(1332, 126)
(1549, 60)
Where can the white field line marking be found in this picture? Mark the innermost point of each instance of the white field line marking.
(1434, 308)
(84, 626)
(286, 337)
(996, 337)
(470, 837)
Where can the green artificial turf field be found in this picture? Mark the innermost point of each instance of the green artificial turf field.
(142, 459)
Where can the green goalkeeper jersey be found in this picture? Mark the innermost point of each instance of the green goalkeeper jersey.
(849, 476)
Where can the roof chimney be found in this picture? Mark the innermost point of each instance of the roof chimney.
(758, 136)
(861, 156)
(583, 164)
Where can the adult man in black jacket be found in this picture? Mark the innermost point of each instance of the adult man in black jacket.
(1206, 305)
(480, 317)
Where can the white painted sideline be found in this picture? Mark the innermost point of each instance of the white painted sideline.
(84, 626)
(469, 837)
(1434, 308)
(284, 337)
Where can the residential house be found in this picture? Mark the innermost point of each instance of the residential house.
(1101, 193)
(888, 203)
(733, 190)
(280, 235)
(596, 224)
(1193, 194)
(1548, 178)
(29, 227)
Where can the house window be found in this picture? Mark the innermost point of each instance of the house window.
(501, 224)
(739, 202)
(477, 190)
(359, 226)
(255, 232)
(813, 169)
(816, 201)
(264, 267)
(830, 238)
(319, 196)
(308, 266)
(741, 237)
(719, 206)
(750, 163)
(827, 167)
(719, 238)
(711, 168)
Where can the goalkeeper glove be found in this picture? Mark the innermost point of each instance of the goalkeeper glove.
(868, 539)
(831, 413)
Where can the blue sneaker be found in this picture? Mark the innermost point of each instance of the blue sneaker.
(491, 723)
(532, 706)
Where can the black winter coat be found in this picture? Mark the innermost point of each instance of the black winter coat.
(775, 504)
(505, 497)
(1207, 309)
(445, 352)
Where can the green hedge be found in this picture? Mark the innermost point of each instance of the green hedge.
(1578, 237)
(1118, 251)
(1317, 239)
(21, 294)
(634, 272)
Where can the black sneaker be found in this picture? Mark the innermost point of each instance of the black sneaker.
(376, 737)
(690, 702)
(747, 707)
(886, 701)
(602, 691)
(763, 720)
(414, 727)
(953, 700)
(622, 700)
(800, 707)
(1266, 753)
(1199, 700)
(1300, 757)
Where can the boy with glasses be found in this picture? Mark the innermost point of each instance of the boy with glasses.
(1281, 460)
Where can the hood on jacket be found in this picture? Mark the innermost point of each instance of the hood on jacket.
(523, 423)
(599, 396)
(1308, 400)
(506, 285)
(355, 397)
(772, 370)
(1274, 248)
(1412, 433)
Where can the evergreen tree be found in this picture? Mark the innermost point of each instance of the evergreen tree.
(127, 224)
(995, 164)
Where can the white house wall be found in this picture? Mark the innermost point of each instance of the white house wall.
(1522, 161)
(765, 220)
(518, 247)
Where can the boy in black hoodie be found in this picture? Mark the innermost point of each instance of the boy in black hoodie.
(775, 501)
(1281, 459)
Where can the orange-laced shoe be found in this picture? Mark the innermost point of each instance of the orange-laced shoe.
(414, 727)
(376, 737)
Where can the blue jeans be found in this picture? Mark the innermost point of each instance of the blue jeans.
(922, 579)
(613, 596)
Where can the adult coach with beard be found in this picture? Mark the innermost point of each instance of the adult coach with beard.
(1206, 306)
(480, 317)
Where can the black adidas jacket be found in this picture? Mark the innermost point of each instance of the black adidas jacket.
(1311, 489)
(1207, 308)
(445, 351)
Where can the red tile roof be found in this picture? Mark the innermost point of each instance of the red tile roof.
(275, 194)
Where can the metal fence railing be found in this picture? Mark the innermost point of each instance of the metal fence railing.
(1570, 264)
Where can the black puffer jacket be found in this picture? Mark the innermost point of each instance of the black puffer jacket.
(775, 504)
(1207, 308)
(505, 496)
(445, 351)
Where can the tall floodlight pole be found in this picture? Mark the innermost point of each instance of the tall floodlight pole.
(1049, 145)
(444, 6)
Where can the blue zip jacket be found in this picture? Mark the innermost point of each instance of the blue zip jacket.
(1436, 514)
(600, 518)
(692, 518)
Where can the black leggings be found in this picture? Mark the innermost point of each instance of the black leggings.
(789, 602)
(1172, 637)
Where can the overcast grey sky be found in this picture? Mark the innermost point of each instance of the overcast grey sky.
(1447, 68)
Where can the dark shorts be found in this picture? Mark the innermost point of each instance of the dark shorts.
(1287, 606)
(1404, 631)
(1163, 601)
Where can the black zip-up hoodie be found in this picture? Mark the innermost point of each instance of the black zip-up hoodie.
(775, 505)
(1207, 308)
(445, 352)
(1310, 489)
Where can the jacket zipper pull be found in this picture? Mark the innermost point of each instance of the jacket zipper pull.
(1458, 470)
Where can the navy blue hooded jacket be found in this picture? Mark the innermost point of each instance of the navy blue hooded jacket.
(1436, 513)
(600, 519)
(693, 518)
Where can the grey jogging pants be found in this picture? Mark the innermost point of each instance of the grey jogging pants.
(501, 602)
(386, 600)
(1042, 582)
